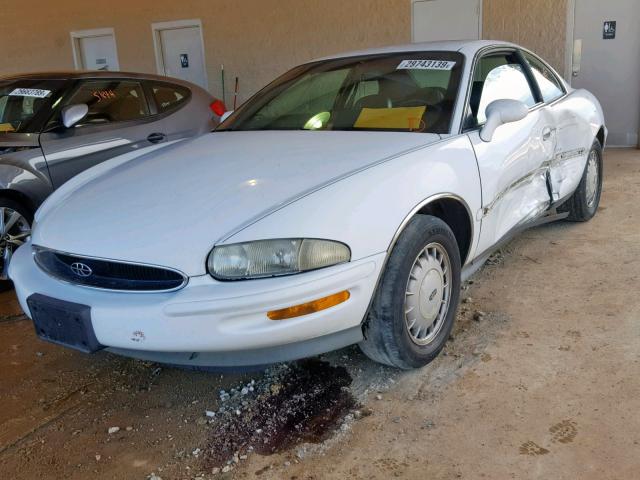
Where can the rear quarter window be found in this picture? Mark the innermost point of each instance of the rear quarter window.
(168, 97)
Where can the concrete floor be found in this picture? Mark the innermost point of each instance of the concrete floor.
(546, 385)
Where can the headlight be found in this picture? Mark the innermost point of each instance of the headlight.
(270, 258)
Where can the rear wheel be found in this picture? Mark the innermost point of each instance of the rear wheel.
(15, 228)
(583, 204)
(415, 304)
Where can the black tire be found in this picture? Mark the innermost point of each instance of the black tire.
(580, 207)
(28, 215)
(387, 338)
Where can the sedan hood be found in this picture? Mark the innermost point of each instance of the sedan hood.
(171, 206)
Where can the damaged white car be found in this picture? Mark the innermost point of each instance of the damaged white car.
(342, 204)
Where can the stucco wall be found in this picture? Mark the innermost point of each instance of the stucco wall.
(254, 39)
(539, 25)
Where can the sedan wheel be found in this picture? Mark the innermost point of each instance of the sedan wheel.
(428, 290)
(583, 204)
(14, 231)
(415, 304)
(593, 177)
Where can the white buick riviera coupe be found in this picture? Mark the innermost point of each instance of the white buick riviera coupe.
(344, 203)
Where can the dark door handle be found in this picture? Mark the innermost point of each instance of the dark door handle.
(157, 137)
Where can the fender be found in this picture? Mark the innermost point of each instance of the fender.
(27, 176)
(425, 203)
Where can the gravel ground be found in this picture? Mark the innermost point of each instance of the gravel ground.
(539, 380)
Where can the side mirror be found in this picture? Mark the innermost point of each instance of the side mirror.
(72, 114)
(225, 115)
(500, 112)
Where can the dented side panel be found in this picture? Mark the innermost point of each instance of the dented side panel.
(513, 170)
(578, 120)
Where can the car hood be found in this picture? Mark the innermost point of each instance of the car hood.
(171, 206)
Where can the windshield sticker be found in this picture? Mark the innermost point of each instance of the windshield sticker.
(400, 118)
(30, 92)
(426, 65)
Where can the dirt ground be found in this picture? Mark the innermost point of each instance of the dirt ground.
(540, 380)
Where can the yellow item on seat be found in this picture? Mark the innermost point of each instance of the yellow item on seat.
(401, 118)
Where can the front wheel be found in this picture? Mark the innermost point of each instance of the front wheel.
(15, 228)
(583, 204)
(416, 301)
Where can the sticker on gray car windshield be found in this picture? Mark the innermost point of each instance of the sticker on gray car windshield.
(426, 65)
(30, 92)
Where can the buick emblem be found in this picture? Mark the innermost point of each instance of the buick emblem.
(81, 269)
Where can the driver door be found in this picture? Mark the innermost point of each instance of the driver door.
(514, 164)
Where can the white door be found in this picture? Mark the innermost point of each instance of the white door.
(446, 20)
(513, 164)
(98, 53)
(610, 62)
(182, 55)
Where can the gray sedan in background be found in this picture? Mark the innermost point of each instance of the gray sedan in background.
(55, 125)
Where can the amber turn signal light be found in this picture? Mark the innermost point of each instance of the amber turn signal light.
(310, 307)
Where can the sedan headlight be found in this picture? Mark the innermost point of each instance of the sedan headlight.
(270, 258)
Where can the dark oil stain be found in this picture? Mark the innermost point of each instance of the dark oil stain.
(306, 405)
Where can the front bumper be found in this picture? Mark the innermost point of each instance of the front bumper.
(216, 323)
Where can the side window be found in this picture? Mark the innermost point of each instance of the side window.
(168, 97)
(550, 86)
(111, 101)
(496, 77)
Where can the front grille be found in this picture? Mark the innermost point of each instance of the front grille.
(107, 274)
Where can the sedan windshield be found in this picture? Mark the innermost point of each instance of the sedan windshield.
(25, 103)
(401, 92)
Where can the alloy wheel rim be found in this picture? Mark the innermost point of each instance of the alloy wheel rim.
(14, 231)
(427, 294)
(592, 179)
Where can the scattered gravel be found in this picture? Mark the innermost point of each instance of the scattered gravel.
(478, 315)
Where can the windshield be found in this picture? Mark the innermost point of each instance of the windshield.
(25, 103)
(404, 92)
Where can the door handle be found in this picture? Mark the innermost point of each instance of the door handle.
(157, 137)
(547, 133)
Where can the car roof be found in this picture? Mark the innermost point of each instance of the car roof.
(89, 74)
(468, 47)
